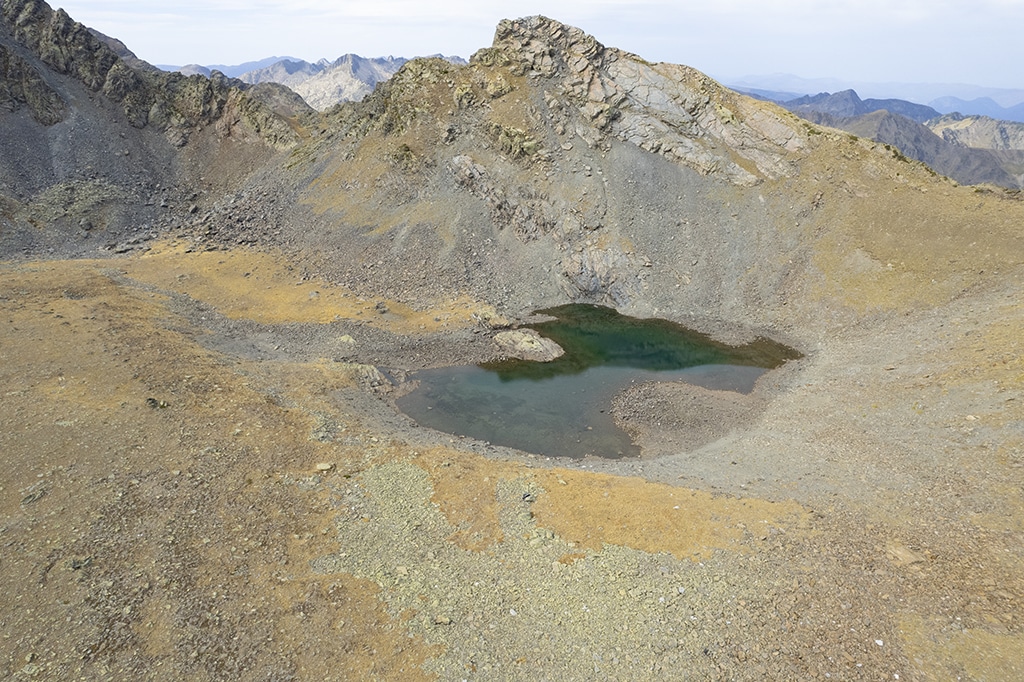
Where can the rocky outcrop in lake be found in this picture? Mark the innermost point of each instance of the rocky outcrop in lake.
(527, 344)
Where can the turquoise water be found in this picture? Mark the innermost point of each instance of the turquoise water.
(562, 408)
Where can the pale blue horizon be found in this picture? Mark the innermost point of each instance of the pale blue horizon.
(916, 41)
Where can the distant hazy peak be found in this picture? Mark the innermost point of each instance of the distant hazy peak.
(325, 82)
(848, 103)
(193, 70)
(980, 106)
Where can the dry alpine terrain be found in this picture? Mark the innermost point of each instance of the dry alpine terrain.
(211, 295)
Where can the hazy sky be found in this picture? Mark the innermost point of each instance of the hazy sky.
(966, 41)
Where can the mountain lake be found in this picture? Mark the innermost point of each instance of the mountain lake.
(562, 408)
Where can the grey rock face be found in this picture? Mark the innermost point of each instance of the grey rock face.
(21, 85)
(528, 217)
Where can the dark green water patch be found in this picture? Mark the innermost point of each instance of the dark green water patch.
(562, 408)
(595, 336)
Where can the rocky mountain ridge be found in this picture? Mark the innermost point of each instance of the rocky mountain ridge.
(170, 103)
(541, 120)
(99, 142)
(967, 165)
(979, 132)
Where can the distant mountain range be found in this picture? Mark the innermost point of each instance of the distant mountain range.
(323, 83)
(969, 149)
(981, 106)
(848, 103)
(1001, 103)
(232, 71)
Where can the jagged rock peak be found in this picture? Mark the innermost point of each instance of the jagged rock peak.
(546, 46)
(669, 109)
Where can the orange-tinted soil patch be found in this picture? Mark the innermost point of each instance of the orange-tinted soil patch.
(267, 288)
(593, 509)
(465, 488)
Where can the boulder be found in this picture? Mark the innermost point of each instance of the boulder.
(527, 344)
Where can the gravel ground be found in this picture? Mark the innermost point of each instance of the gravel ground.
(178, 504)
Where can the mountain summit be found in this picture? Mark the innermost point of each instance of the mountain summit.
(668, 109)
(582, 164)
